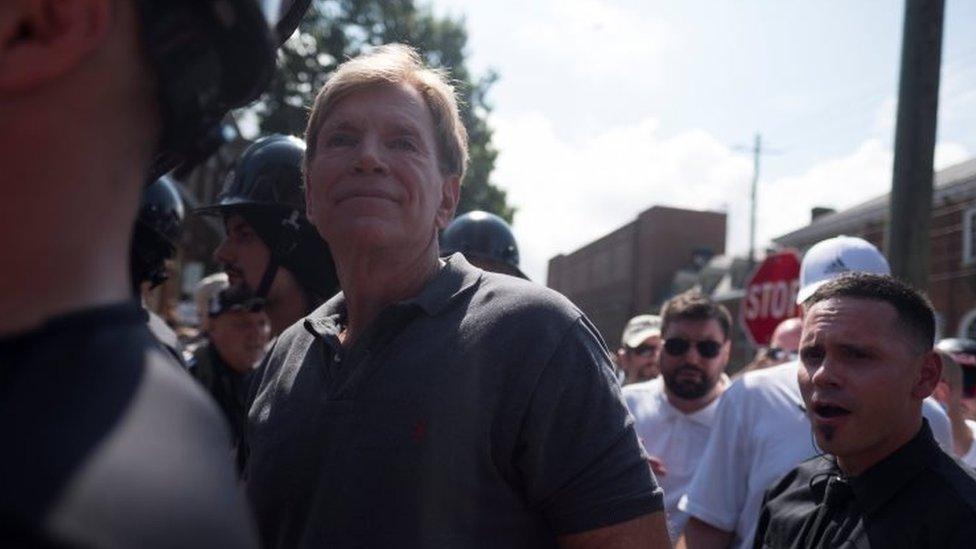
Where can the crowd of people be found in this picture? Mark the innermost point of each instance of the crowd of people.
(371, 371)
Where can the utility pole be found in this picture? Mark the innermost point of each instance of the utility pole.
(910, 210)
(756, 152)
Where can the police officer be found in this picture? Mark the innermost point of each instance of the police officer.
(157, 233)
(271, 250)
(485, 240)
(107, 445)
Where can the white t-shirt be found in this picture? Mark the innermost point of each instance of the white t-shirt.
(676, 438)
(760, 433)
(970, 457)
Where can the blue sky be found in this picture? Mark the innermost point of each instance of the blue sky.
(605, 108)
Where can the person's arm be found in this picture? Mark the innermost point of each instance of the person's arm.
(579, 458)
(699, 534)
(645, 531)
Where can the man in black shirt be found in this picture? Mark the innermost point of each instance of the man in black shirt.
(867, 364)
(106, 442)
(432, 404)
(236, 340)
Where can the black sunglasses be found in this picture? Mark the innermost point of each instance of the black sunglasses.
(677, 346)
(642, 350)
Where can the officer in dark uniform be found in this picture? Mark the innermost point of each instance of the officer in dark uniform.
(157, 233)
(106, 444)
(485, 240)
(236, 339)
(271, 250)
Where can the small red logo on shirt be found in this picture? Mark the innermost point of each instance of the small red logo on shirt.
(419, 431)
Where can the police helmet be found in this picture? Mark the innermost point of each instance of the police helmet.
(266, 188)
(210, 56)
(483, 236)
(157, 231)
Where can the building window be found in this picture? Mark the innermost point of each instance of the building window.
(969, 236)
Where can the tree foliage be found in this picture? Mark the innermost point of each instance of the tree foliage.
(335, 30)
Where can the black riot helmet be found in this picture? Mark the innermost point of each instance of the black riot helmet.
(209, 56)
(266, 188)
(157, 232)
(483, 237)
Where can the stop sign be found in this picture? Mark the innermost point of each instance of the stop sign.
(770, 296)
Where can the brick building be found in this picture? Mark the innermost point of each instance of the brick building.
(952, 279)
(631, 270)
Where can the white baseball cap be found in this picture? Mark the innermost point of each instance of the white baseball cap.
(829, 258)
(640, 328)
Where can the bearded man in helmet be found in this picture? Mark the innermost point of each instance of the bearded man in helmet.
(111, 446)
(270, 248)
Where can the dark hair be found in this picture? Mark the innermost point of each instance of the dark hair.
(914, 310)
(694, 305)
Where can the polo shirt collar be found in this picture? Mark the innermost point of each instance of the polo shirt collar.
(453, 280)
(881, 482)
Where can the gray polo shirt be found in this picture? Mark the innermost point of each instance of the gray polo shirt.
(482, 412)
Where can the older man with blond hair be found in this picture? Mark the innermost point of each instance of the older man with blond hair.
(432, 404)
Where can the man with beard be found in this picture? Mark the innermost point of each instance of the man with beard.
(882, 480)
(761, 430)
(640, 347)
(674, 413)
(271, 250)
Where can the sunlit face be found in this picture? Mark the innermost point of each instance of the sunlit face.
(240, 338)
(375, 180)
(691, 374)
(640, 363)
(861, 379)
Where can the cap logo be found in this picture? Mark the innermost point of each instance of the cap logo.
(836, 266)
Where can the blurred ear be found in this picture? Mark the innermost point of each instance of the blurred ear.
(929, 375)
(309, 203)
(450, 195)
(40, 40)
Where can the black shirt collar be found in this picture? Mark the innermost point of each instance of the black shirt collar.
(453, 280)
(880, 483)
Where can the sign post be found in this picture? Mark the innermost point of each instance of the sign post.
(770, 296)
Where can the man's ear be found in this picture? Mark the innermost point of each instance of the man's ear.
(40, 40)
(928, 376)
(309, 203)
(450, 195)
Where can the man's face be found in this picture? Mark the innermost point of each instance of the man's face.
(861, 379)
(243, 254)
(785, 342)
(640, 363)
(240, 337)
(694, 357)
(375, 180)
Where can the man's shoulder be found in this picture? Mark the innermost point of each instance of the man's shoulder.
(523, 297)
(958, 480)
(642, 397)
(769, 387)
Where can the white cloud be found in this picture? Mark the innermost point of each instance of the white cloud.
(571, 192)
(593, 38)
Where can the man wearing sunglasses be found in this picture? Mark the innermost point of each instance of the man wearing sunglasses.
(761, 430)
(637, 357)
(673, 414)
